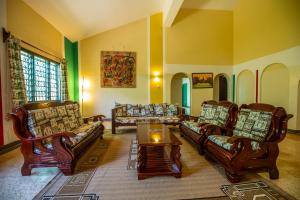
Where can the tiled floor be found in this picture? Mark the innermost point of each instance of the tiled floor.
(14, 186)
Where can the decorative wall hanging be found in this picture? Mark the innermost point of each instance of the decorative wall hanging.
(118, 69)
(202, 80)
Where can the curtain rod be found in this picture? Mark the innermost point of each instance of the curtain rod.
(6, 34)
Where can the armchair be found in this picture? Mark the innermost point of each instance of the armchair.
(252, 146)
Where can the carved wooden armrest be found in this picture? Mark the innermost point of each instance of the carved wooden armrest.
(94, 118)
(244, 144)
(55, 138)
(211, 129)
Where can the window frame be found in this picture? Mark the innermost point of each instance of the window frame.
(48, 82)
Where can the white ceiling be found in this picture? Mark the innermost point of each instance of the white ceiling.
(78, 19)
(210, 4)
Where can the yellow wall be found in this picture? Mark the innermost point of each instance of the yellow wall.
(130, 37)
(200, 37)
(29, 26)
(265, 27)
(156, 57)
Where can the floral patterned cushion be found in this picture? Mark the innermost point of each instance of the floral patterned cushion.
(83, 131)
(221, 141)
(121, 111)
(192, 125)
(222, 115)
(253, 124)
(77, 114)
(171, 110)
(146, 110)
(158, 109)
(133, 110)
(39, 125)
(207, 114)
(161, 119)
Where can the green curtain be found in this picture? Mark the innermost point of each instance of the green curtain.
(184, 95)
(64, 80)
(16, 72)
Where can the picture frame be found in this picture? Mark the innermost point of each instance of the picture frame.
(202, 80)
(118, 69)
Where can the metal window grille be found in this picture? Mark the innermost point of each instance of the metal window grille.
(42, 77)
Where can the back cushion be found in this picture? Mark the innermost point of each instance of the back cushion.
(221, 116)
(147, 110)
(77, 114)
(133, 110)
(121, 111)
(42, 122)
(207, 113)
(171, 110)
(253, 124)
(158, 110)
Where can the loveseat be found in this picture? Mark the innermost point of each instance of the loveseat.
(53, 134)
(222, 114)
(128, 114)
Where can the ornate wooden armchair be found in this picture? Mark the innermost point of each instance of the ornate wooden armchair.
(221, 114)
(53, 134)
(253, 143)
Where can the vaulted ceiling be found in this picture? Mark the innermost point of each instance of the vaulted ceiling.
(78, 19)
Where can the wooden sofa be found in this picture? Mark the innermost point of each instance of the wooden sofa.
(253, 143)
(53, 134)
(194, 128)
(128, 114)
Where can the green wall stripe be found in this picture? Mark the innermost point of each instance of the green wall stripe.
(71, 55)
(233, 88)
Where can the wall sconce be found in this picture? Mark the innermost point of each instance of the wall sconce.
(156, 79)
(85, 96)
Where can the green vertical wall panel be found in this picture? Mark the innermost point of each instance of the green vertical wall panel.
(233, 88)
(71, 55)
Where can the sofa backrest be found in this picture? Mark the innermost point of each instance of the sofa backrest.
(136, 110)
(46, 118)
(262, 122)
(222, 114)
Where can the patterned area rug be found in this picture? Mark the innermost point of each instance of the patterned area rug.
(257, 190)
(107, 171)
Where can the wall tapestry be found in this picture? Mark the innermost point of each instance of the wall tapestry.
(118, 69)
(202, 80)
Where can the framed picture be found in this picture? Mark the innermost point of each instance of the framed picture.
(202, 80)
(118, 69)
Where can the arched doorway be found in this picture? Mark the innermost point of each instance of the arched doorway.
(220, 92)
(245, 87)
(275, 85)
(181, 91)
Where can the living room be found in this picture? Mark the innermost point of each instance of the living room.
(112, 66)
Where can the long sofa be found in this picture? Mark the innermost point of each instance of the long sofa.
(54, 134)
(129, 114)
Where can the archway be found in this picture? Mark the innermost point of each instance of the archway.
(181, 91)
(245, 87)
(221, 90)
(275, 85)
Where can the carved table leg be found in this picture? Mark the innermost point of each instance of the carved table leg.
(175, 157)
(141, 161)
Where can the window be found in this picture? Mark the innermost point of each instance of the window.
(42, 77)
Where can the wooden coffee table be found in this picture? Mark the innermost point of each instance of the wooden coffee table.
(158, 151)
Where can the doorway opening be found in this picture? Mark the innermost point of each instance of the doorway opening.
(181, 91)
(221, 88)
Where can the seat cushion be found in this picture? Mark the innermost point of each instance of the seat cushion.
(192, 125)
(83, 131)
(221, 141)
(168, 119)
(253, 124)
